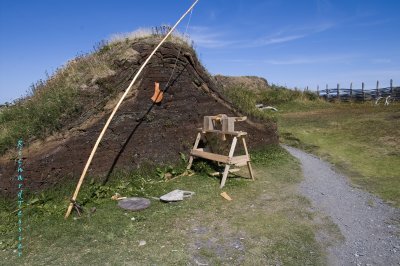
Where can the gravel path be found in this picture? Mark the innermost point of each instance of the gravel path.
(367, 223)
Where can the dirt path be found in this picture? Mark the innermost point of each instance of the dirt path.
(367, 223)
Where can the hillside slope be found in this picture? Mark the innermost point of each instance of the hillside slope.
(141, 131)
(251, 83)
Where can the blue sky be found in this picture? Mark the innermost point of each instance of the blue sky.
(292, 43)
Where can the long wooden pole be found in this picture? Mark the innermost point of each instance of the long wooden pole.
(115, 110)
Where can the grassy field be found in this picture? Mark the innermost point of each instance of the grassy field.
(362, 140)
(267, 223)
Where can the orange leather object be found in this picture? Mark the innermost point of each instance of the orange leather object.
(158, 94)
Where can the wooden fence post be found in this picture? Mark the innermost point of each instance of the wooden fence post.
(327, 92)
(351, 91)
(338, 93)
(362, 91)
(391, 87)
(377, 88)
(318, 91)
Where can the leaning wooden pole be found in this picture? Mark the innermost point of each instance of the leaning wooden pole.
(115, 110)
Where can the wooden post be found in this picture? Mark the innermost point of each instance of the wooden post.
(75, 195)
(318, 91)
(351, 91)
(227, 166)
(338, 92)
(327, 92)
(391, 87)
(377, 88)
(248, 161)
(196, 143)
(362, 91)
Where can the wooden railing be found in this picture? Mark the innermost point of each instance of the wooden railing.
(391, 93)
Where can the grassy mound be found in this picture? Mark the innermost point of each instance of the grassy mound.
(75, 88)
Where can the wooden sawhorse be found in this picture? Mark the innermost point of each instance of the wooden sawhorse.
(227, 130)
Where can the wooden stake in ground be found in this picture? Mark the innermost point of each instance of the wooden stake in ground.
(115, 110)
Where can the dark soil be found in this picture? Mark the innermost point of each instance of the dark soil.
(140, 132)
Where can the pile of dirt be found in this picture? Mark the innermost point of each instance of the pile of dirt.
(140, 132)
(251, 83)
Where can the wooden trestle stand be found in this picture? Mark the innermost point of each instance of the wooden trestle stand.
(226, 133)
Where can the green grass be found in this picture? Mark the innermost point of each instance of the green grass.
(267, 222)
(245, 100)
(360, 139)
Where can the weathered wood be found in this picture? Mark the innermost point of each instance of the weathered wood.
(227, 128)
(362, 91)
(236, 133)
(351, 91)
(239, 159)
(230, 171)
(248, 162)
(210, 156)
(226, 171)
(364, 94)
(391, 86)
(377, 88)
(208, 123)
(196, 144)
(327, 92)
(228, 124)
(338, 92)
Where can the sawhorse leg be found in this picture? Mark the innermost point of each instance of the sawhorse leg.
(196, 143)
(248, 162)
(227, 166)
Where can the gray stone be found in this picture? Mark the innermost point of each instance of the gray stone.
(176, 195)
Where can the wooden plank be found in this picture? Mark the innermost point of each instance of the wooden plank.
(228, 124)
(230, 171)
(210, 156)
(234, 133)
(248, 162)
(250, 170)
(239, 164)
(208, 123)
(239, 159)
(196, 143)
(231, 152)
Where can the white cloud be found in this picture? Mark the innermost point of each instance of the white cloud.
(205, 37)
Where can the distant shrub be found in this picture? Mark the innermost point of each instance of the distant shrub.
(245, 100)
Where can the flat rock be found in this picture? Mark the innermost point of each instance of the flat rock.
(176, 195)
(134, 204)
